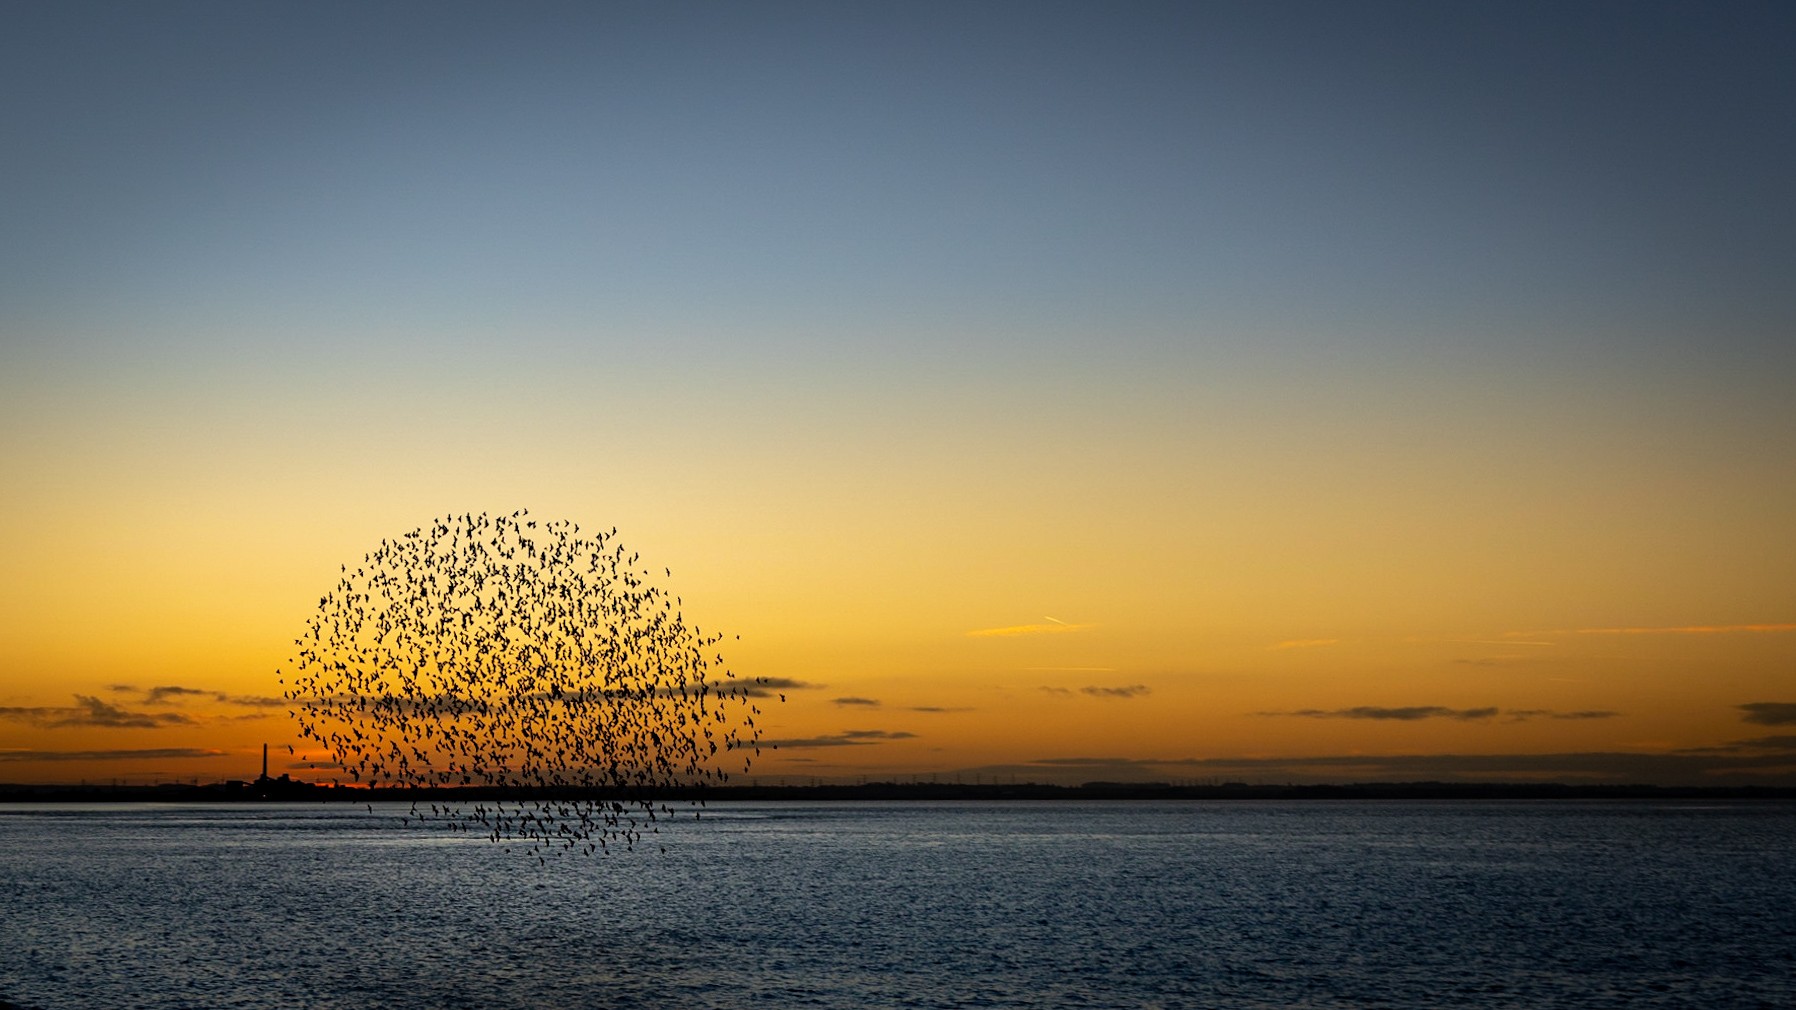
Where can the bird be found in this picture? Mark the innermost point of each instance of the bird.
(524, 658)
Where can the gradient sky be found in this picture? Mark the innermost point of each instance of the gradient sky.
(1279, 392)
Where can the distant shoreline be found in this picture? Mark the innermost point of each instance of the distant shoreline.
(275, 790)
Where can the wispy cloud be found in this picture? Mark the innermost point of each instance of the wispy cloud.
(1782, 742)
(156, 695)
(786, 683)
(762, 687)
(174, 693)
(1055, 626)
(1414, 713)
(152, 754)
(1404, 713)
(1127, 691)
(91, 711)
(1687, 629)
(1097, 690)
(1524, 714)
(847, 738)
(934, 709)
(253, 701)
(1501, 661)
(1112, 762)
(1770, 713)
(867, 702)
(1303, 643)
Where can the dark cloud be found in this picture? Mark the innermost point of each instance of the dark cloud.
(762, 687)
(847, 738)
(1783, 742)
(173, 693)
(94, 712)
(1524, 714)
(869, 702)
(935, 709)
(156, 695)
(1405, 713)
(158, 753)
(1129, 691)
(91, 711)
(1770, 713)
(1413, 713)
(252, 700)
(1098, 691)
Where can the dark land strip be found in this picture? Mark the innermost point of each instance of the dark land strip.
(277, 789)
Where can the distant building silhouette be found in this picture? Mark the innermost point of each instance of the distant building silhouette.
(266, 788)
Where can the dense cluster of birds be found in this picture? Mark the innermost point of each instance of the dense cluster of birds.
(531, 660)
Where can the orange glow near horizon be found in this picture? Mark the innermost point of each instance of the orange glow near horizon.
(1024, 700)
(944, 607)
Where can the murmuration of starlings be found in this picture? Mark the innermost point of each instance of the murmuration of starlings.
(527, 658)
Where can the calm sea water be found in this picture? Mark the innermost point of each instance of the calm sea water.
(912, 905)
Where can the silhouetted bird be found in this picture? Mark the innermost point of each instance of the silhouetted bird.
(499, 652)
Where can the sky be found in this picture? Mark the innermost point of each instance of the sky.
(1269, 392)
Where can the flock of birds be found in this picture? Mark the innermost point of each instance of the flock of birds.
(542, 664)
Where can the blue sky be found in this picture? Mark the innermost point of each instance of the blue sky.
(1401, 170)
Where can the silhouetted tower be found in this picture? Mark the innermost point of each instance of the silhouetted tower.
(264, 760)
